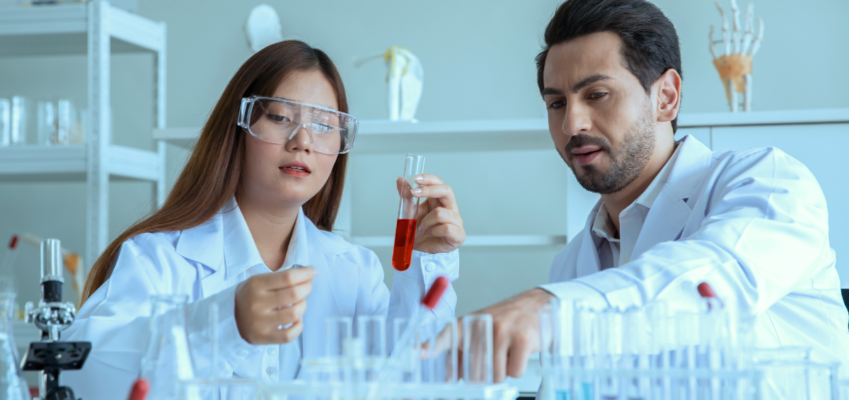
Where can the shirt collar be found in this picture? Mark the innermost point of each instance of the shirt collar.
(603, 226)
(240, 251)
(650, 194)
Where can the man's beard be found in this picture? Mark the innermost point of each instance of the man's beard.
(626, 162)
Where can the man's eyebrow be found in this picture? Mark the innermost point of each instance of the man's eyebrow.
(589, 81)
(547, 90)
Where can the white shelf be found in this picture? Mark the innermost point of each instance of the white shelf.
(63, 29)
(95, 29)
(62, 163)
(476, 241)
(777, 117)
(512, 134)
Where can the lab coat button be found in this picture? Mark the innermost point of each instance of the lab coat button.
(271, 370)
(271, 350)
(429, 267)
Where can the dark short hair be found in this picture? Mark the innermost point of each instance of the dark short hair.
(649, 41)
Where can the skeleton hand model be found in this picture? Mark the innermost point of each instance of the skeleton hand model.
(735, 63)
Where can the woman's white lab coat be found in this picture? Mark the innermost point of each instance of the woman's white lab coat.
(207, 263)
(753, 224)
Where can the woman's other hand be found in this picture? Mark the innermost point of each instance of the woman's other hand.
(269, 307)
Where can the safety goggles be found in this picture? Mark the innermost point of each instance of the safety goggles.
(277, 120)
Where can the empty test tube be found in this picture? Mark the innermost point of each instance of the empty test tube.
(372, 331)
(477, 348)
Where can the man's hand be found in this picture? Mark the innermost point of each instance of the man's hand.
(515, 329)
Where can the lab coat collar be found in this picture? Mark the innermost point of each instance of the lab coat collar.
(206, 243)
(240, 252)
(689, 169)
(671, 207)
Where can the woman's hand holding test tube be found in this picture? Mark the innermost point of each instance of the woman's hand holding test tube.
(267, 303)
(440, 227)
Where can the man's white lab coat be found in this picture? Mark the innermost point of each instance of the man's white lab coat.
(752, 223)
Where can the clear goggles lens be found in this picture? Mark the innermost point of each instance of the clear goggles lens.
(279, 120)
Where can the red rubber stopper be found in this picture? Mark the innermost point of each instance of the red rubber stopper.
(706, 291)
(140, 389)
(435, 293)
(14, 242)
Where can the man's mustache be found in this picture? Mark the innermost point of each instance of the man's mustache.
(585, 140)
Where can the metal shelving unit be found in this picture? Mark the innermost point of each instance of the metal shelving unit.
(96, 29)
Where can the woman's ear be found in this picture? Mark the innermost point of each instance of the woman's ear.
(668, 95)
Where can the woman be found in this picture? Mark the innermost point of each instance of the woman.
(258, 196)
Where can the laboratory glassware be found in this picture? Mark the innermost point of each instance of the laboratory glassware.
(13, 386)
(404, 363)
(46, 122)
(5, 122)
(405, 228)
(440, 365)
(277, 120)
(167, 359)
(477, 348)
(372, 330)
(18, 122)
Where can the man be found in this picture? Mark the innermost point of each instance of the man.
(753, 223)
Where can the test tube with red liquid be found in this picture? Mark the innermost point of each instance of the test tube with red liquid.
(405, 229)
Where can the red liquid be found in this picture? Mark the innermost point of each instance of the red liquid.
(405, 235)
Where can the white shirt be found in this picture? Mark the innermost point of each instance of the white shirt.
(752, 223)
(616, 249)
(206, 263)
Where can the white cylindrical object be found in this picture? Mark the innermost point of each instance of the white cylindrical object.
(51, 261)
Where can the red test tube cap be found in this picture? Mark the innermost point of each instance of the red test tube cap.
(706, 291)
(140, 389)
(435, 293)
(14, 242)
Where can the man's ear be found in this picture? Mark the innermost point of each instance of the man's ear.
(668, 95)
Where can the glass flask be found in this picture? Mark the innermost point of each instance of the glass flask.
(13, 386)
(167, 359)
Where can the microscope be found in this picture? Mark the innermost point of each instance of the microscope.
(50, 355)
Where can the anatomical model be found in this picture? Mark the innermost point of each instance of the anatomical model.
(735, 63)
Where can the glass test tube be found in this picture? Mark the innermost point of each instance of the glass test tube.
(338, 331)
(405, 228)
(409, 353)
(440, 367)
(477, 348)
(372, 330)
(5, 123)
(556, 341)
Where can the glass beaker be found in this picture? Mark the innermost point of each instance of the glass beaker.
(167, 359)
(13, 386)
(405, 228)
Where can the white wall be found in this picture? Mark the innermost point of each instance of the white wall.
(478, 61)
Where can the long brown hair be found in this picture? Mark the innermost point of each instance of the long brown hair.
(212, 173)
